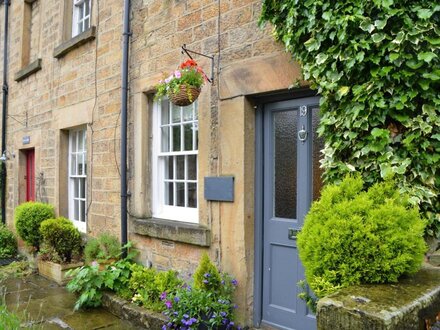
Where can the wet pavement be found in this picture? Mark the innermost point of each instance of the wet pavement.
(42, 304)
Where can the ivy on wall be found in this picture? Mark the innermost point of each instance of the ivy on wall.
(376, 65)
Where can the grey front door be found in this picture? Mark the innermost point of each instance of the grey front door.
(290, 158)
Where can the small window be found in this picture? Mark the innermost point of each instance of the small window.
(175, 153)
(78, 178)
(81, 16)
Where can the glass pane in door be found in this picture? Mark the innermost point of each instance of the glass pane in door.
(285, 150)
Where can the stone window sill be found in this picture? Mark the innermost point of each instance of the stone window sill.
(74, 43)
(177, 231)
(28, 70)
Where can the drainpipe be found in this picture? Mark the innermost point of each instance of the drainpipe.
(6, 4)
(124, 190)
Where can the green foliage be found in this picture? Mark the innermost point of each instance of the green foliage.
(207, 276)
(8, 320)
(16, 269)
(104, 247)
(61, 239)
(28, 217)
(148, 284)
(376, 65)
(8, 243)
(90, 282)
(351, 236)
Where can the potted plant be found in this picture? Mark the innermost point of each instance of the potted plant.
(183, 86)
(104, 249)
(60, 249)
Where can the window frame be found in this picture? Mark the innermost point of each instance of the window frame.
(74, 178)
(159, 208)
(78, 7)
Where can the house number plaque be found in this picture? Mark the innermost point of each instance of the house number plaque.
(303, 110)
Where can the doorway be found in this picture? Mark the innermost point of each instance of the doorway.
(30, 174)
(288, 153)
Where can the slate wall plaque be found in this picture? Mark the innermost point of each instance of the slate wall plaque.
(219, 188)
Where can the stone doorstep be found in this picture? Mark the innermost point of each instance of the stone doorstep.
(404, 305)
(127, 311)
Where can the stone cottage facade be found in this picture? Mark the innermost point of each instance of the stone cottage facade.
(228, 175)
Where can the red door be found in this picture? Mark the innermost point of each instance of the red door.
(30, 175)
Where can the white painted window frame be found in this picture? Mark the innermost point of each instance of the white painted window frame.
(81, 222)
(159, 208)
(81, 24)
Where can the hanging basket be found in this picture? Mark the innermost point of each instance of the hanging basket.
(185, 96)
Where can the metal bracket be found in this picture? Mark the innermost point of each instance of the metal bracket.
(302, 134)
(188, 51)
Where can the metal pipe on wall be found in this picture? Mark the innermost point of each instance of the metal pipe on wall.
(124, 190)
(5, 88)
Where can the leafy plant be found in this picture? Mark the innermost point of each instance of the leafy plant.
(207, 268)
(28, 217)
(90, 282)
(148, 284)
(61, 240)
(104, 247)
(8, 243)
(188, 74)
(376, 65)
(8, 320)
(351, 236)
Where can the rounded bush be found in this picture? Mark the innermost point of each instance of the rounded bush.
(28, 217)
(104, 247)
(351, 236)
(8, 243)
(61, 239)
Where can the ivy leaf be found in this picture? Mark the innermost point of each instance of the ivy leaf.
(424, 13)
(343, 91)
(426, 56)
(380, 24)
(378, 37)
(424, 83)
(432, 76)
(433, 41)
(367, 26)
(413, 64)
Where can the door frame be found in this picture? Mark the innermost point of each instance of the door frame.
(259, 195)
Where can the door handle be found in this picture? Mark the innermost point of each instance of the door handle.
(302, 134)
(293, 233)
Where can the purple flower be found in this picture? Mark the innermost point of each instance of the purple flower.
(205, 281)
(235, 306)
(223, 282)
(207, 275)
(176, 299)
(167, 80)
(177, 74)
(185, 316)
(223, 314)
(164, 327)
(234, 282)
(163, 295)
(169, 304)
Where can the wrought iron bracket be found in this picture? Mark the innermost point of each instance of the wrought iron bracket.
(188, 51)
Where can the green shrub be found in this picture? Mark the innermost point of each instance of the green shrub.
(61, 239)
(351, 236)
(207, 276)
(8, 320)
(104, 247)
(8, 243)
(28, 217)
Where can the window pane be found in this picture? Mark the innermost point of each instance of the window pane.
(169, 193)
(76, 188)
(81, 11)
(83, 188)
(285, 131)
(192, 167)
(86, 23)
(165, 112)
(187, 113)
(180, 167)
(87, 5)
(80, 140)
(85, 163)
(82, 211)
(175, 110)
(76, 209)
(180, 194)
(176, 138)
(317, 146)
(192, 195)
(80, 164)
(72, 164)
(73, 137)
(168, 161)
(196, 136)
(165, 139)
(188, 136)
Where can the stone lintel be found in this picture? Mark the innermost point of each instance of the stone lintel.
(403, 305)
(177, 231)
(75, 42)
(28, 70)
